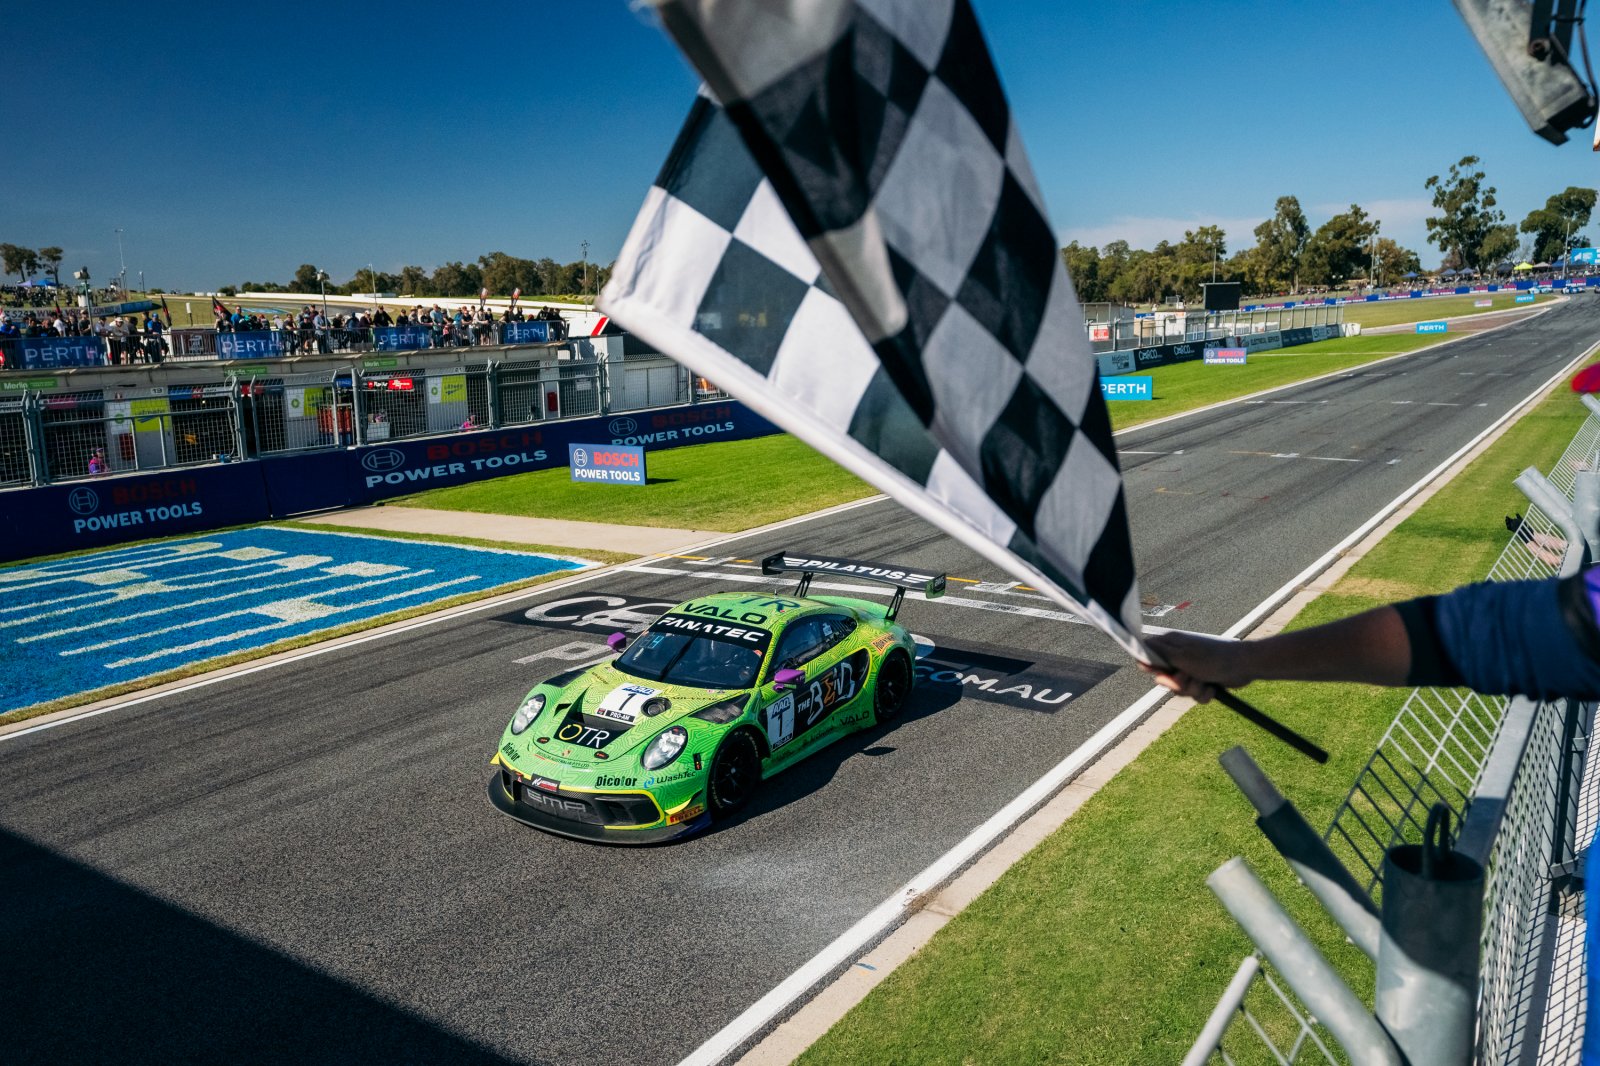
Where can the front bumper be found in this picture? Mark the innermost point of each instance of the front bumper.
(601, 817)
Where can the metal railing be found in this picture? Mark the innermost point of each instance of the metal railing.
(1512, 772)
(55, 436)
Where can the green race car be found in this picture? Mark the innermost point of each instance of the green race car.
(718, 694)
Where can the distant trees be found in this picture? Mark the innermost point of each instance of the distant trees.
(1280, 242)
(1467, 214)
(19, 260)
(1554, 226)
(1340, 249)
(1285, 254)
(50, 261)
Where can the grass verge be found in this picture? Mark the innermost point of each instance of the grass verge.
(1186, 386)
(1103, 944)
(726, 487)
(1394, 312)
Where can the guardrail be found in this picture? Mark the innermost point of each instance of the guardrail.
(1513, 774)
(48, 437)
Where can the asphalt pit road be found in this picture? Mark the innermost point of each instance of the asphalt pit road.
(1028, 681)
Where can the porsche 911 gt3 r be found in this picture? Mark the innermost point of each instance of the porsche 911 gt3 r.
(720, 693)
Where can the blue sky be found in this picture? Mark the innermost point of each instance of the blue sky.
(236, 142)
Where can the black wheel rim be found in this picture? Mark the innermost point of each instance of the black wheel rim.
(893, 683)
(736, 774)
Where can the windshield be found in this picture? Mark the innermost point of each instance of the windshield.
(690, 651)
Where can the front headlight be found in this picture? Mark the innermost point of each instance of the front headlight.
(666, 747)
(527, 713)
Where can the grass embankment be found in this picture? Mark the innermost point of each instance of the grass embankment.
(1103, 944)
(726, 487)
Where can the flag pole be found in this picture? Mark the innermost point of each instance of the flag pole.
(1250, 713)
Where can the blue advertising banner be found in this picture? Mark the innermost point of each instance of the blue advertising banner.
(525, 333)
(1433, 327)
(59, 518)
(49, 353)
(1131, 387)
(91, 514)
(1526, 299)
(613, 464)
(402, 338)
(262, 344)
(1585, 255)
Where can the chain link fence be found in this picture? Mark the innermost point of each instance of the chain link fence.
(1512, 773)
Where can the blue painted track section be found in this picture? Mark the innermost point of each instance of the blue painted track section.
(78, 624)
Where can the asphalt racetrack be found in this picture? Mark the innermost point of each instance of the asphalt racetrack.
(300, 864)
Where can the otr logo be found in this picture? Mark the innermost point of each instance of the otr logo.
(622, 427)
(383, 460)
(83, 501)
(580, 458)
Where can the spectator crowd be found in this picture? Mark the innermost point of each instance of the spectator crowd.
(128, 338)
(313, 329)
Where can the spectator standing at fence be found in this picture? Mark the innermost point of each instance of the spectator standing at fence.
(97, 463)
(381, 319)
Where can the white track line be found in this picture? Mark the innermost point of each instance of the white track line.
(888, 913)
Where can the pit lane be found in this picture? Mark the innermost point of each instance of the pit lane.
(299, 865)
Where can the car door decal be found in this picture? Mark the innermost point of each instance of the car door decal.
(797, 713)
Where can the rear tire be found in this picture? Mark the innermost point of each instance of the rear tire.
(894, 686)
(735, 774)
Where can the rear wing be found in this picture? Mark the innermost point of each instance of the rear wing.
(901, 577)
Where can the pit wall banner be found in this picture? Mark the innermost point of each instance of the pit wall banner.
(103, 511)
(50, 353)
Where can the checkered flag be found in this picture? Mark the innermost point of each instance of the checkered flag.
(715, 273)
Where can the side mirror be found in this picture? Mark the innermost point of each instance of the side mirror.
(616, 640)
(784, 680)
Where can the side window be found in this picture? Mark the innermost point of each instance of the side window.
(801, 643)
(835, 627)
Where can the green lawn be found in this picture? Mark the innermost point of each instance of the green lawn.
(1103, 944)
(1394, 312)
(727, 487)
(1185, 386)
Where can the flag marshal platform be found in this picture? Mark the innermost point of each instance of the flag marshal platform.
(613, 464)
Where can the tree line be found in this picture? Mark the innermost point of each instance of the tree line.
(1469, 229)
(498, 272)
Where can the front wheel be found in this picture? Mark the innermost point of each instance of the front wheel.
(894, 686)
(735, 774)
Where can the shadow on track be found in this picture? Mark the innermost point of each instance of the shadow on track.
(91, 965)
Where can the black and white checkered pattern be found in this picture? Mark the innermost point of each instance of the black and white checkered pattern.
(887, 137)
(715, 274)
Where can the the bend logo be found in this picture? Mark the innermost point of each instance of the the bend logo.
(623, 427)
(383, 460)
(84, 501)
(580, 457)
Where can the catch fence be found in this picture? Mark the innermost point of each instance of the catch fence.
(1512, 772)
(54, 436)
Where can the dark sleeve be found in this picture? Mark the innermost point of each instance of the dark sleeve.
(1527, 638)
